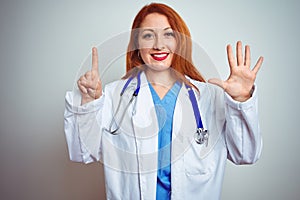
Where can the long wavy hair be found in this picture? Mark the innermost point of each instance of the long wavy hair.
(182, 59)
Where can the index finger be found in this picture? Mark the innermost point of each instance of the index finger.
(94, 59)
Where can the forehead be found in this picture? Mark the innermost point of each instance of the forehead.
(155, 20)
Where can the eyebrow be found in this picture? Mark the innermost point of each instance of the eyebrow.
(152, 30)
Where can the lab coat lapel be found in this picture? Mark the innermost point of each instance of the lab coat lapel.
(184, 127)
(145, 126)
(144, 118)
(184, 124)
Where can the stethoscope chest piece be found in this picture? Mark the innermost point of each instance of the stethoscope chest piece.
(201, 136)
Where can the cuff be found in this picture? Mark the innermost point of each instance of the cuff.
(73, 107)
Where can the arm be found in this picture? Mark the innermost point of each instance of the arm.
(242, 132)
(82, 129)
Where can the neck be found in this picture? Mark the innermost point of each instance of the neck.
(162, 78)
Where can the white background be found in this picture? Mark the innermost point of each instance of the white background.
(43, 44)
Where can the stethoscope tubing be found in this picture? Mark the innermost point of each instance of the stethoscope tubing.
(201, 134)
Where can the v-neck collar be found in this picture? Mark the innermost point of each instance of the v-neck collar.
(173, 91)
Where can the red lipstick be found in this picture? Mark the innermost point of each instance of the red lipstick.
(159, 56)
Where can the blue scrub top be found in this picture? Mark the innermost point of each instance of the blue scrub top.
(164, 112)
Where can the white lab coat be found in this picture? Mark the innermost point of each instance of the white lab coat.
(130, 158)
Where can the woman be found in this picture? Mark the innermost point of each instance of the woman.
(169, 134)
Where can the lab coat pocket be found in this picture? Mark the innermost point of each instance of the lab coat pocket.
(195, 164)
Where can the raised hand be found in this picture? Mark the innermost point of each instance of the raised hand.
(241, 79)
(89, 84)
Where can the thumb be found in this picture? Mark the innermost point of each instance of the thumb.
(217, 82)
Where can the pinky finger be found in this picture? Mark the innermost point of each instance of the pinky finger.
(258, 65)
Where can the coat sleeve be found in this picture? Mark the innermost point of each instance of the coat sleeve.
(82, 126)
(242, 132)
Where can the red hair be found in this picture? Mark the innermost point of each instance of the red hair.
(182, 59)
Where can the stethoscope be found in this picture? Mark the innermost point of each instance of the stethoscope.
(201, 135)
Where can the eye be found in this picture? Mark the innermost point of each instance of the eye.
(169, 34)
(148, 36)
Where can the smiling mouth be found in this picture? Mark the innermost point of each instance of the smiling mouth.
(159, 56)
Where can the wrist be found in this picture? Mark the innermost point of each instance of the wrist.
(243, 98)
(86, 99)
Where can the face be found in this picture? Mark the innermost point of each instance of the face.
(157, 42)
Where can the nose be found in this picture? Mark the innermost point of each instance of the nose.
(159, 43)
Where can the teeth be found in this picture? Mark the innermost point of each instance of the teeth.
(160, 55)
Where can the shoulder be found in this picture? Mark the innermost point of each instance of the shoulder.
(113, 88)
(113, 85)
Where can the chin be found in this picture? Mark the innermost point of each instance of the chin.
(159, 66)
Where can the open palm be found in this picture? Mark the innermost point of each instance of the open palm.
(241, 79)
